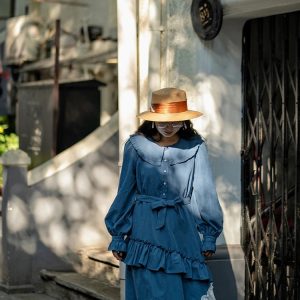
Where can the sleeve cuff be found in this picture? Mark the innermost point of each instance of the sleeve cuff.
(117, 244)
(209, 244)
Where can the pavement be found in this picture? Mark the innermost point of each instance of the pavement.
(28, 296)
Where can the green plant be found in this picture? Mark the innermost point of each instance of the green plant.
(8, 139)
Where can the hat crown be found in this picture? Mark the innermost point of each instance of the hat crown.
(168, 95)
(169, 104)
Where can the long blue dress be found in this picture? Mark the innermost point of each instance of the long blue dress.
(166, 197)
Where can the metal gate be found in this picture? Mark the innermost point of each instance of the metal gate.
(270, 157)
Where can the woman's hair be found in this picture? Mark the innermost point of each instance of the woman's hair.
(185, 132)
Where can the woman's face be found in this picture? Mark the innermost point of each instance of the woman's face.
(168, 129)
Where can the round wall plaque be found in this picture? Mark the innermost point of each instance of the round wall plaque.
(207, 17)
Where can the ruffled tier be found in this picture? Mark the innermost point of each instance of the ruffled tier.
(144, 254)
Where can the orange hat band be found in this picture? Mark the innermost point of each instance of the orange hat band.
(172, 107)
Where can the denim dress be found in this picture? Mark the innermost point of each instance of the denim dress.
(166, 213)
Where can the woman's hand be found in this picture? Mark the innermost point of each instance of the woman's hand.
(207, 253)
(119, 255)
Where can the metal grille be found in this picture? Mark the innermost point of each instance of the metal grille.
(270, 158)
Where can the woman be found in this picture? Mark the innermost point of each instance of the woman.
(166, 197)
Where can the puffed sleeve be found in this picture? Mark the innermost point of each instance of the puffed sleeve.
(119, 217)
(205, 204)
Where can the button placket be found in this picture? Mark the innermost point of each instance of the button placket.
(165, 172)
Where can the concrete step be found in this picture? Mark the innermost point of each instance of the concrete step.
(100, 264)
(27, 296)
(75, 286)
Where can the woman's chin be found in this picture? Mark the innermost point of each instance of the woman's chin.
(165, 134)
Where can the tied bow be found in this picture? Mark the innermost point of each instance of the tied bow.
(161, 207)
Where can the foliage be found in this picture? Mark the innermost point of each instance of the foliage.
(8, 139)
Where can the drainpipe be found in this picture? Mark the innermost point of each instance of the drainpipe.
(127, 82)
(55, 95)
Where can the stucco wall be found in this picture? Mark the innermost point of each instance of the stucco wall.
(20, 7)
(68, 209)
(258, 8)
(55, 212)
(95, 12)
(171, 54)
(210, 72)
(87, 12)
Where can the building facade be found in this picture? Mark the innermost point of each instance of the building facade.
(245, 81)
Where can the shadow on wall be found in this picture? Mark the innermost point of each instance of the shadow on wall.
(52, 220)
(69, 209)
(210, 73)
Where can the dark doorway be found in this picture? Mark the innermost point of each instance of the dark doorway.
(79, 115)
(270, 158)
(79, 112)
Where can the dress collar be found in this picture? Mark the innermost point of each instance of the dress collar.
(153, 153)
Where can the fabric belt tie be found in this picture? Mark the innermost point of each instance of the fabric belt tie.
(160, 205)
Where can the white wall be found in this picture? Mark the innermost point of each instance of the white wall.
(92, 12)
(258, 8)
(95, 12)
(4, 8)
(171, 54)
(210, 72)
(20, 6)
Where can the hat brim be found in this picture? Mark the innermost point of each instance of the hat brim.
(171, 117)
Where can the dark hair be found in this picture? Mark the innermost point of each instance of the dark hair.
(150, 131)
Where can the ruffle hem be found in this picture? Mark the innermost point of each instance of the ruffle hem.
(156, 258)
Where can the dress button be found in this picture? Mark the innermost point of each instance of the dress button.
(165, 183)
(165, 171)
(164, 194)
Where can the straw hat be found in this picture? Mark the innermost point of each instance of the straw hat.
(169, 104)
